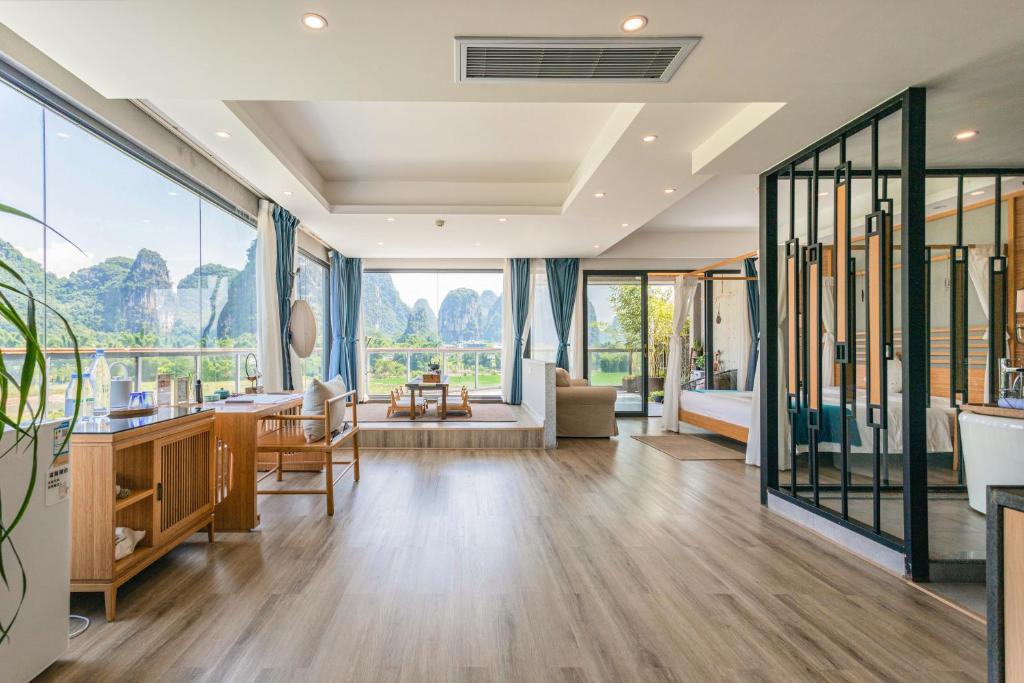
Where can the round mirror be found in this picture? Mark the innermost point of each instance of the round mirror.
(302, 328)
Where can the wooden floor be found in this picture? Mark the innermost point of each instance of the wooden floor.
(605, 560)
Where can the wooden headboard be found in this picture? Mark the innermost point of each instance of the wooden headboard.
(977, 348)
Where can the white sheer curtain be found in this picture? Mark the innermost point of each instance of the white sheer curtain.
(828, 335)
(268, 320)
(508, 335)
(754, 433)
(978, 269)
(684, 290)
(577, 330)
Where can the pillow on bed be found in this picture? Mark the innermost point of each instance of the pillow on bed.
(562, 377)
(894, 370)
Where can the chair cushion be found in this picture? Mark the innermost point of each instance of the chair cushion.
(313, 400)
(562, 377)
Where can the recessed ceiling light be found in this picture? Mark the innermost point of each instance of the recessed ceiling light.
(287, 193)
(977, 192)
(625, 225)
(965, 134)
(62, 135)
(633, 23)
(823, 194)
(314, 21)
(390, 219)
(598, 195)
(173, 194)
(502, 220)
(669, 190)
(649, 138)
(597, 246)
(223, 134)
(145, 220)
(476, 244)
(380, 244)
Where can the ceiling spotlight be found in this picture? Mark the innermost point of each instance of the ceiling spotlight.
(172, 194)
(314, 21)
(633, 23)
(649, 138)
(63, 136)
(145, 220)
(476, 244)
(223, 134)
(965, 135)
(287, 193)
(502, 220)
(625, 225)
(669, 190)
(598, 195)
(977, 193)
(390, 219)
(597, 246)
(380, 244)
(823, 194)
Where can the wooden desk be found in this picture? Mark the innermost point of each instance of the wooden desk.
(238, 427)
(167, 460)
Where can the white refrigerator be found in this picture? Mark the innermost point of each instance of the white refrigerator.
(42, 541)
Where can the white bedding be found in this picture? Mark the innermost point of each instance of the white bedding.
(939, 415)
(734, 407)
(728, 406)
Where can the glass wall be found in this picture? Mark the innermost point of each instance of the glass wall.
(413, 319)
(141, 267)
(615, 336)
(311, 284)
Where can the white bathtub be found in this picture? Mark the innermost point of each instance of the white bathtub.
(993, 454)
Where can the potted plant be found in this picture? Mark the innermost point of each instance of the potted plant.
(631, 383)
(658, 396)
(34, 472)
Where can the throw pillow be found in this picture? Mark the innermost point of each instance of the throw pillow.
(313, 401)
(562, 377)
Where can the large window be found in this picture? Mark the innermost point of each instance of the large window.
(311, 285)
(449, 318)
(156, 275)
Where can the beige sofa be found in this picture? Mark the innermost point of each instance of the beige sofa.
(583, 410)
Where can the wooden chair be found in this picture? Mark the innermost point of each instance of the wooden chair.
(288, 437)
(463, 406)
(399, 404)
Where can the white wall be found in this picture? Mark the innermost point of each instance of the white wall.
(539, 396)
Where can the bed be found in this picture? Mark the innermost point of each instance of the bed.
(729, 413)
(721, 411)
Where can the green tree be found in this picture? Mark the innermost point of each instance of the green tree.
(627, 305)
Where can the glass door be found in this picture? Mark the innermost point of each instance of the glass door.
(615, 341)
(660, 303)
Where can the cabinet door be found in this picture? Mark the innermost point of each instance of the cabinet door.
(184, 472)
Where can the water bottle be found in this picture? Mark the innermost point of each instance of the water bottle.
(87, 398)
(100, 372)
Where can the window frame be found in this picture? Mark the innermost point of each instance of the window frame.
(325, 288)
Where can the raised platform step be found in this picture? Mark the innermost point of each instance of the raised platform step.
(524, 433)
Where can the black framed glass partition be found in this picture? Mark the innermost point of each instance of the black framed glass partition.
(615, 341)
(887, 287)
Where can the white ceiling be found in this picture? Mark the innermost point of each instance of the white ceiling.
(364, 120)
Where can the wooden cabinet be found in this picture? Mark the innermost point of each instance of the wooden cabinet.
(168, 463)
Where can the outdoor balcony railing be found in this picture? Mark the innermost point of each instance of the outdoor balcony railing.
(477, 368)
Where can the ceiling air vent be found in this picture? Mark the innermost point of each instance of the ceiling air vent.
(612, 60)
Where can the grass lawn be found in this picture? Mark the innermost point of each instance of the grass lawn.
(606, 379)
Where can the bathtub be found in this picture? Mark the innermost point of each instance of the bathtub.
(993, 454)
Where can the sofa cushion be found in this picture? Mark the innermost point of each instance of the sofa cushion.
(313, 400)
(562, 378)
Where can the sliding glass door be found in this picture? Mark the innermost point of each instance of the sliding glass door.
(615, 341)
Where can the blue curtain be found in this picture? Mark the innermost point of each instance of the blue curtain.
(284, 230)
(519, 268)
(750, 270)
(346, 290)
(562, 275)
